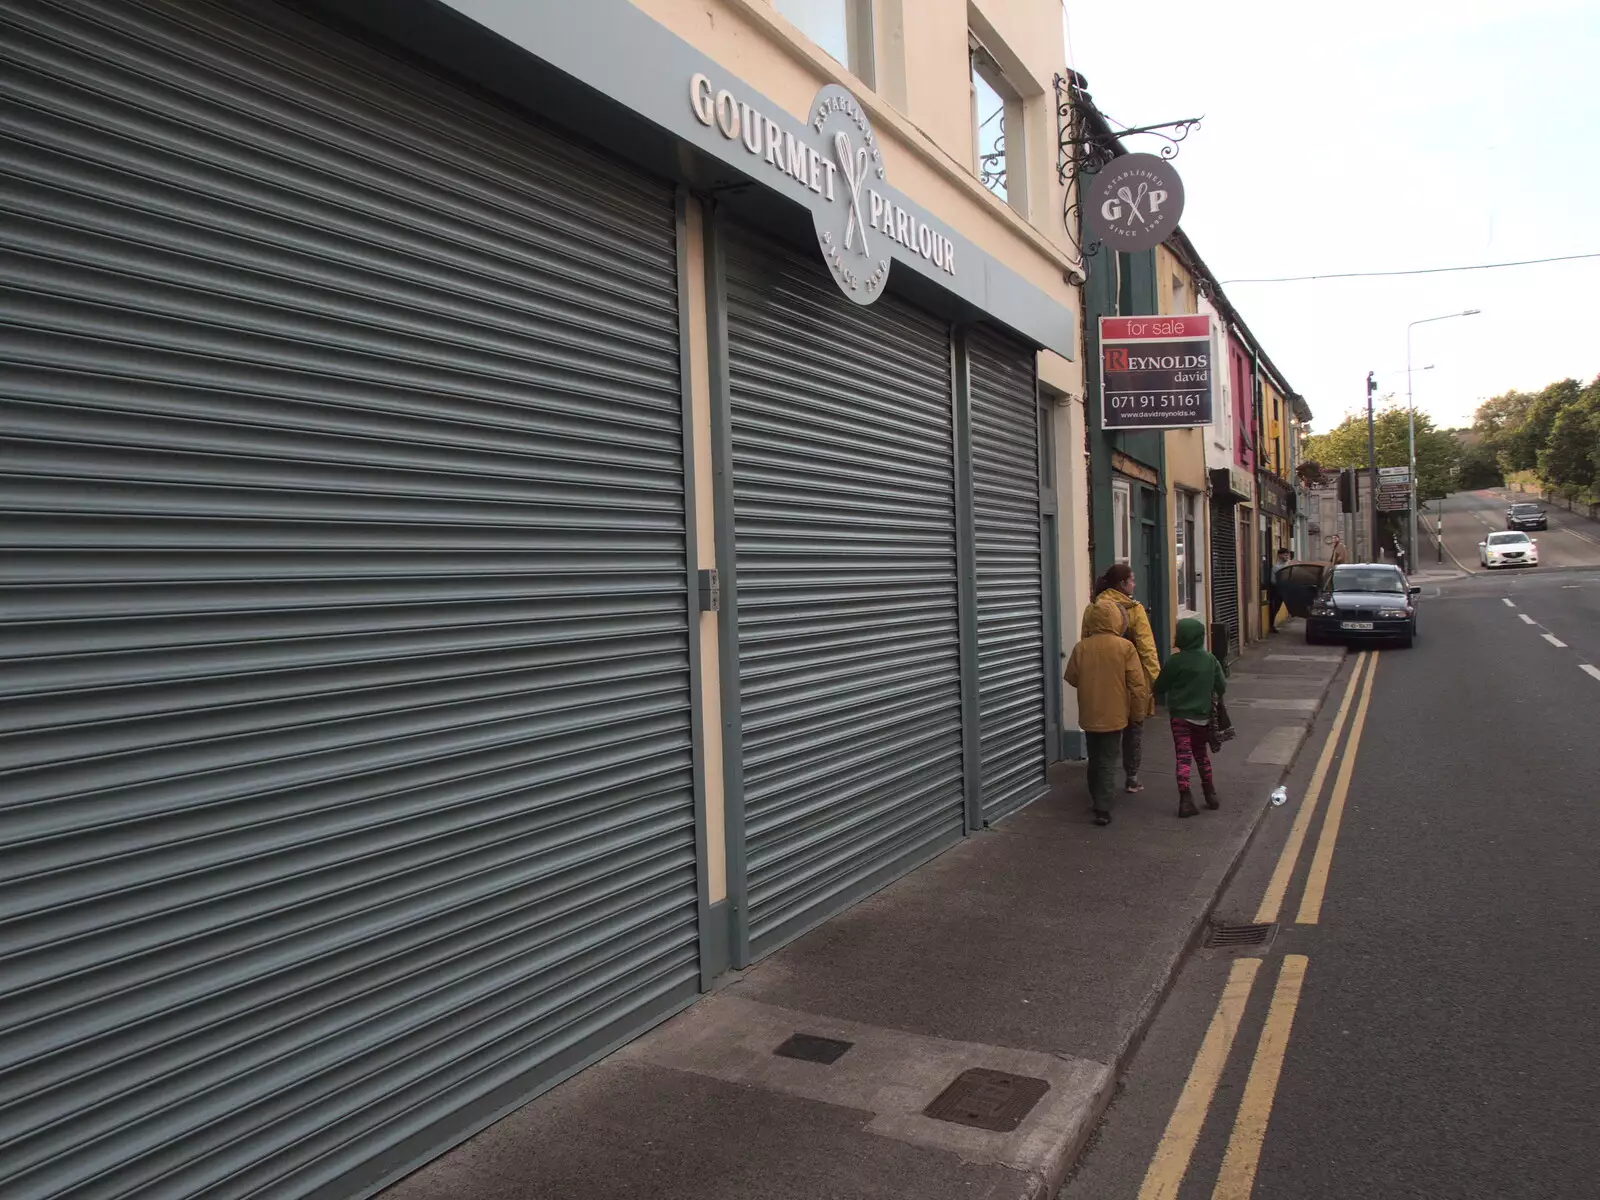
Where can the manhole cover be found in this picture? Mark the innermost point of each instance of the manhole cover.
(988, 1099)
(1239, 937)
(811, 1048)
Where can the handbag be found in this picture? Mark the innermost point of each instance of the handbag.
(1220, 728)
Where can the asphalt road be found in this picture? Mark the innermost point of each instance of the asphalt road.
(1571, 540)
(1445, 1041)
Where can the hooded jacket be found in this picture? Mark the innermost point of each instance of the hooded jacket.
(1139, 633)
(1192, 676)
(1105, 669)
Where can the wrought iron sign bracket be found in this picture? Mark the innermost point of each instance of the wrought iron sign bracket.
(1084, 147)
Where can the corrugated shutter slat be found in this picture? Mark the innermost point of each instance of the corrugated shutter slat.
(1225, 572)
(346, 781)
(845, 525)
(1005, 491)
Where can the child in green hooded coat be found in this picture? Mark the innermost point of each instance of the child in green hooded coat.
(1189, 681)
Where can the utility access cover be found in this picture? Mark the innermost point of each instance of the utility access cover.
(988, 1099)
(808, 1047)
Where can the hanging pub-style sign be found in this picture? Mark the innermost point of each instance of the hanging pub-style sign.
(1134, 202)
(1155, 372)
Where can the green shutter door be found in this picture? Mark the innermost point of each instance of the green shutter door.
(844, 516)
(1005, 502)
(346, 795)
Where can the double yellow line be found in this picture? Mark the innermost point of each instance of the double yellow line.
(1239, 1162)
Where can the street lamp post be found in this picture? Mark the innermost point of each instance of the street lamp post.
(1372, 470)
(1411, 427)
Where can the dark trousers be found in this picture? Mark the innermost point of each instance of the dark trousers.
(1132, 748)
(1103, 749)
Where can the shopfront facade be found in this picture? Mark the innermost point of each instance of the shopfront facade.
(492, 549)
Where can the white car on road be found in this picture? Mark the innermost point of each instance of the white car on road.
(1510, 549)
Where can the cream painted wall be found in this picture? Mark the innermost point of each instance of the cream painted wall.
(927, 148)
(716, 881)
(1072, 535)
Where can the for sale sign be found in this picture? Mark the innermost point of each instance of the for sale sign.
(1155, 372)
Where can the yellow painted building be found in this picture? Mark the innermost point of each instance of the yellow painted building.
(1188, 554)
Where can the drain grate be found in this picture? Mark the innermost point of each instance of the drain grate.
(988, 1099)
(1237, 937)
(808, 1047)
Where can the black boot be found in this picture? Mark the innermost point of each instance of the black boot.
(1211, 798)
(1101, 817)
(1186, 806)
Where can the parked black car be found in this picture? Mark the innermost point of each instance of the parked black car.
(1363, 602)
(1527, 516)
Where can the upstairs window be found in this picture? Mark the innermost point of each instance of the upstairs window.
(841, 27)
(997, 123)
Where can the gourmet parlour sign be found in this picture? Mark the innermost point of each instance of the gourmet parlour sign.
(1155, 372)
(837, 160)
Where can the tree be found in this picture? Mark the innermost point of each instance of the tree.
(1520, 446)
(1571, 452)
(1345, 445)
(1479, 468)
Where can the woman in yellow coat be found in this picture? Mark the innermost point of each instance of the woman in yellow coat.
(1116, 586)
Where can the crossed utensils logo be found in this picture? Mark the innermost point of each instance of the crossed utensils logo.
(853, 166)
(1133, 201)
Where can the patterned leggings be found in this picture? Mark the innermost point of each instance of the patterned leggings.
(1190, 742)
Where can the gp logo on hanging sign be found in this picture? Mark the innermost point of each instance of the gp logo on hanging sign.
(839, 163)
(1134, 203)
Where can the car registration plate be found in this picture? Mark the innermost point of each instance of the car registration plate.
(1355, 624)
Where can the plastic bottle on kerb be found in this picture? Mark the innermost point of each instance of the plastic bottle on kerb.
(1280, 796)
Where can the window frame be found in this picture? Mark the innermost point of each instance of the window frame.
(983, 64)
(860, 37)
(1121, 522)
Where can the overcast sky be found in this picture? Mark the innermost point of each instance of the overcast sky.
(1375, 136)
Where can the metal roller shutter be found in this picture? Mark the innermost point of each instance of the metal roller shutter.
(844, 517)
(1225, 572)
(1010, 585)
(347, 794)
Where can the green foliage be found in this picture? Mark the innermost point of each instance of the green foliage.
(1479, 468)
(1345, 445)
(1554, 433)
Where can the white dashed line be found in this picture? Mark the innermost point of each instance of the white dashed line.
(1554, 641)
(1595, 671)
(1508, 601)
(1526, 619)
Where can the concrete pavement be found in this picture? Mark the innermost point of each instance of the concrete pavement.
(1040, 948)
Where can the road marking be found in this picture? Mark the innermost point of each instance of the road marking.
(1595, 671)
(1322, 860)
(1526, 619)
(1554, 641)
(1239, 1164)
(1278, 886)
(1171, 1161)
(1508, 601)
